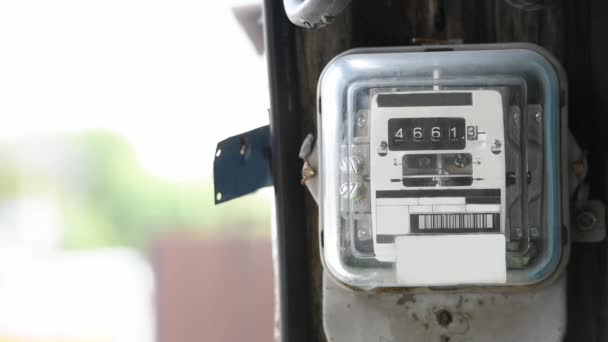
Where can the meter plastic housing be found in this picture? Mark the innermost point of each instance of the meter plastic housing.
(443, 168)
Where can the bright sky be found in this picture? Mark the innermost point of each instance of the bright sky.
(174, 77)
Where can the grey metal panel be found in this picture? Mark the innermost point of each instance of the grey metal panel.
(537, 315)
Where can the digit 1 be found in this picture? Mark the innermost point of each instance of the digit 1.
(453, 133)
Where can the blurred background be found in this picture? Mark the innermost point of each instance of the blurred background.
(111, 111)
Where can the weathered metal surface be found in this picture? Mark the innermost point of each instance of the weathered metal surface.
(392, 317)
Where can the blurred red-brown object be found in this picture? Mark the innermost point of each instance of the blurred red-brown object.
(218, 290)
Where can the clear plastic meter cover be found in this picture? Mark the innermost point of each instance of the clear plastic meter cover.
(442, 168)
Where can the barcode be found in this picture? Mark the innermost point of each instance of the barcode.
(455, 223)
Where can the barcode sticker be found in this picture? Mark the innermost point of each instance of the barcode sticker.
(455, 223)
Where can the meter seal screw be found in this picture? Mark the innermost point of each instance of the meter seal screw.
(308, 153)
(383, 149)
(307, 173)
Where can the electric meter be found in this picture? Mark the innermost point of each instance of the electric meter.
(443, 167)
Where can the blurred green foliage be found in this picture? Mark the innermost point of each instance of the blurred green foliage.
(112, 200)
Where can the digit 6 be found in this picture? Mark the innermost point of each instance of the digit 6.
(417, 133)
(435, 133)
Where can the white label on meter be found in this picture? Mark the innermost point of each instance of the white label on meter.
(437, 168)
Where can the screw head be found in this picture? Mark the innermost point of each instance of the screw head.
(444, 317)
(496, 146)
(518, 233)
(534, 232)
(585, 220)
(424, 162)
(460, 161)
(382, 149)
(361, 120)
(363, 234)
(352, 190)
(352, 164)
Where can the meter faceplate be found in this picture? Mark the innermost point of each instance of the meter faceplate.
(431, 180)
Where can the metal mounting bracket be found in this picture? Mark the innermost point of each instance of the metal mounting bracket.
(242, 164)
(588, 216)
